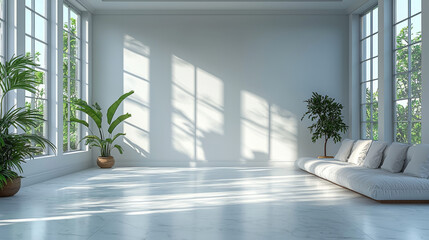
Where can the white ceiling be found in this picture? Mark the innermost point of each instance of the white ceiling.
(210, 6)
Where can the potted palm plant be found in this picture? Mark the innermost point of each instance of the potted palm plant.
(15, 146)
(101, 139)
(329, 121)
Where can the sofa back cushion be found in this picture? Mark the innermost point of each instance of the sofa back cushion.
(395, 157)
(375, 155)
(345, 149)
(359, 151)
(419, 164)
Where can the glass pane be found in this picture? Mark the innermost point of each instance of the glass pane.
(401, 34)
(416, 109)
(416, 84)
(73, 68)
(374, 112)
(41, 87)
(366, 92)
(366, 113)
(375, 20)
(28, 3)
(366, 48)
(416, 6)
(74, 136)
(65, 87)
(375, 68)
(65, 17)
(366, 131)
(74, 46)
(401, 56)
(401, 132)
(416, 133)
(402, 110)
(40, 25)
(375, 131)
(40, 7)
(40, 53)
(375, 45)
(2, 38)
(401, 86)
(28, 21)
(366, 25)
(416, 56)
(416, 28)
(74, 23)
(375, 90)
(401, 10)
(366, 71)
(74, 90)
(66, 42)
(28, 46)
(66, 65)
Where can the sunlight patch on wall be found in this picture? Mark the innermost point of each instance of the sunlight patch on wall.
(283, 137)
(197, 101)
(268, 132)
(136, 77)
(210, 119)
(254, 127)
(183, 103)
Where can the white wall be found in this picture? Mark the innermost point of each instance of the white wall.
(218, 90)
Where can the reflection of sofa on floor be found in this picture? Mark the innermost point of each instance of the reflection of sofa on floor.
(384, 173)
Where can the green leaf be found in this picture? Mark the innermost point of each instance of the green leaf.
(94, 114)
(112, 109)
(83, 122)
(121, 151)
(118, 121)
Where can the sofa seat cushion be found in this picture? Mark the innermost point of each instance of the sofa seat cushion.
(377, 184)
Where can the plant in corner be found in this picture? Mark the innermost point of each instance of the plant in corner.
(329, 122)
(18, 73)
(104, 141)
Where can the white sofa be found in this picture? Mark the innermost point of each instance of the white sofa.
(378, 184)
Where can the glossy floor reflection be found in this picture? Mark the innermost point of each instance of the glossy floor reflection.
(203, 203)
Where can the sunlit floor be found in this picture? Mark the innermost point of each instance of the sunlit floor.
(208, 203)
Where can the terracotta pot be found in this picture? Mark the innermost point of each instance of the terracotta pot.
(105, 162)
(325, 157)
(11, 187)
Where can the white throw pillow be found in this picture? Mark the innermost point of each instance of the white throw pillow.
(395, 157)
(359, 151)
(419, 164)
(375, 155)
(344, 151)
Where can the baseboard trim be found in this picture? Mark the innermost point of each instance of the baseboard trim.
(56, 172)
(146, 163)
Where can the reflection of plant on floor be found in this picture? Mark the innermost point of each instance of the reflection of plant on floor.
(18, 74)
(103, 141)
(327, 114)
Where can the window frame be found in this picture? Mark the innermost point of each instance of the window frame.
(410, 121)
(78, 77)
(45, 69)
(362, 103)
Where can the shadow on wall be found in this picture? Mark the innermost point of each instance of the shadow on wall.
(266, 131)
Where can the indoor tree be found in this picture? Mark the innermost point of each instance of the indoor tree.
(326, 113)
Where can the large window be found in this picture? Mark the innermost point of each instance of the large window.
(72, 80)
(408, 73)
(36, 45)
(369, 74)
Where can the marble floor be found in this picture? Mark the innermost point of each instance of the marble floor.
(202, 203)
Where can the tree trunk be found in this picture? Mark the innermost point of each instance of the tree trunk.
(326, 141)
